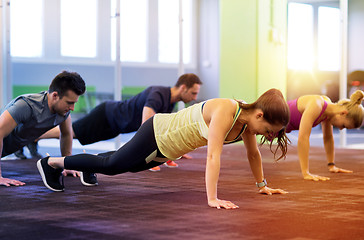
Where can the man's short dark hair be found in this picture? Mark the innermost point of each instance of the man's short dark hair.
(65, 81)
(188, 79)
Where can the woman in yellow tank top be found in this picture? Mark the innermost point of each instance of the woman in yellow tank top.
(169, 136)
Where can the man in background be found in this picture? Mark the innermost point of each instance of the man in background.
(111, 118)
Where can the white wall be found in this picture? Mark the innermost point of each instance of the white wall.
(209, 44)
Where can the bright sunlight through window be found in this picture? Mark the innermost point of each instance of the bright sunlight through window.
(300, 36)
(78, 28)
(133, 30)
(328, 39)
(168, 35)
(26, 28)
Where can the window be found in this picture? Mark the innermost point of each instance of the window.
(78, 28)
(168, 31)
(135, 26)
(133, 30)
(26, 22)
(328, 39)
(84, 30)
(300, 36)
(311, 45)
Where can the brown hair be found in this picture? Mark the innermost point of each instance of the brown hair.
(188, 79)
(65, 81)
(275, 111)
(354, 107)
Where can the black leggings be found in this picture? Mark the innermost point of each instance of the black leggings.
(131, 157)
(94, 127)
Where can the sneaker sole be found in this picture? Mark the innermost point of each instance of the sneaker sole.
(85, 183)
(165, 164)
(40, 169)
(152, 170)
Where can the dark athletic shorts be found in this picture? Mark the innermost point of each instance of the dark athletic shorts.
(93, 127)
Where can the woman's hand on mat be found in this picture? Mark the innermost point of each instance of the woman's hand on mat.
(71, 173)
(309, 176)
(217, 203)
(10, 182)
(335, 169)
(270, 191)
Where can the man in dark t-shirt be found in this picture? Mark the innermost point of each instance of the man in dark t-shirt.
(110, 118)
(126, 116)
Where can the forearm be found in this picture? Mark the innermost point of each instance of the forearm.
(330, 150)
(66, 145)
(7, 181)
(303, 147)
(147, 113)
(212, 177)
(255, 161)
(1, 151)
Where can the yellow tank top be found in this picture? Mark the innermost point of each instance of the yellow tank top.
(182, 132)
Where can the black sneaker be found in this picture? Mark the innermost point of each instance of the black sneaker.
(50, 176)
(20, 154)
(89, 179)
(33, 149)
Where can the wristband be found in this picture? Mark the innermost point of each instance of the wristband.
(331, 164)
(262, 184)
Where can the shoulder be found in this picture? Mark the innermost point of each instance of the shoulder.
(162, 89)
(18, 103)
(316, 101)
(157, 90)
(222, 101)
(34, 97)
(219, 114)
(311, 105)
(19, 109)
(221, 105)
(34, 100)
(326, 99)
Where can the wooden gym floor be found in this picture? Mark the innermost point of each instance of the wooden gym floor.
(171, 204)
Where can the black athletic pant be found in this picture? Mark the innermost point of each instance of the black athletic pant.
(94, 127)
(131, 157)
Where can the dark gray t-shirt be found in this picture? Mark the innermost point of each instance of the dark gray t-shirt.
(33, 117)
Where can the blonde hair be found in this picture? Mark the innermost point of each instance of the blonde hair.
(354, 107)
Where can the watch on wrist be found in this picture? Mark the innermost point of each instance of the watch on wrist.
(262, 184)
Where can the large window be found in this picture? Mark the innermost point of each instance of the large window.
(84, 31)
(168, 31)
(78, 28)
(26, 18)
(312, 45)
(300, 36)
(328, 39)
(133, 30)
(135, 26)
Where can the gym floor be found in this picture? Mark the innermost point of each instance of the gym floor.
(171, 204)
